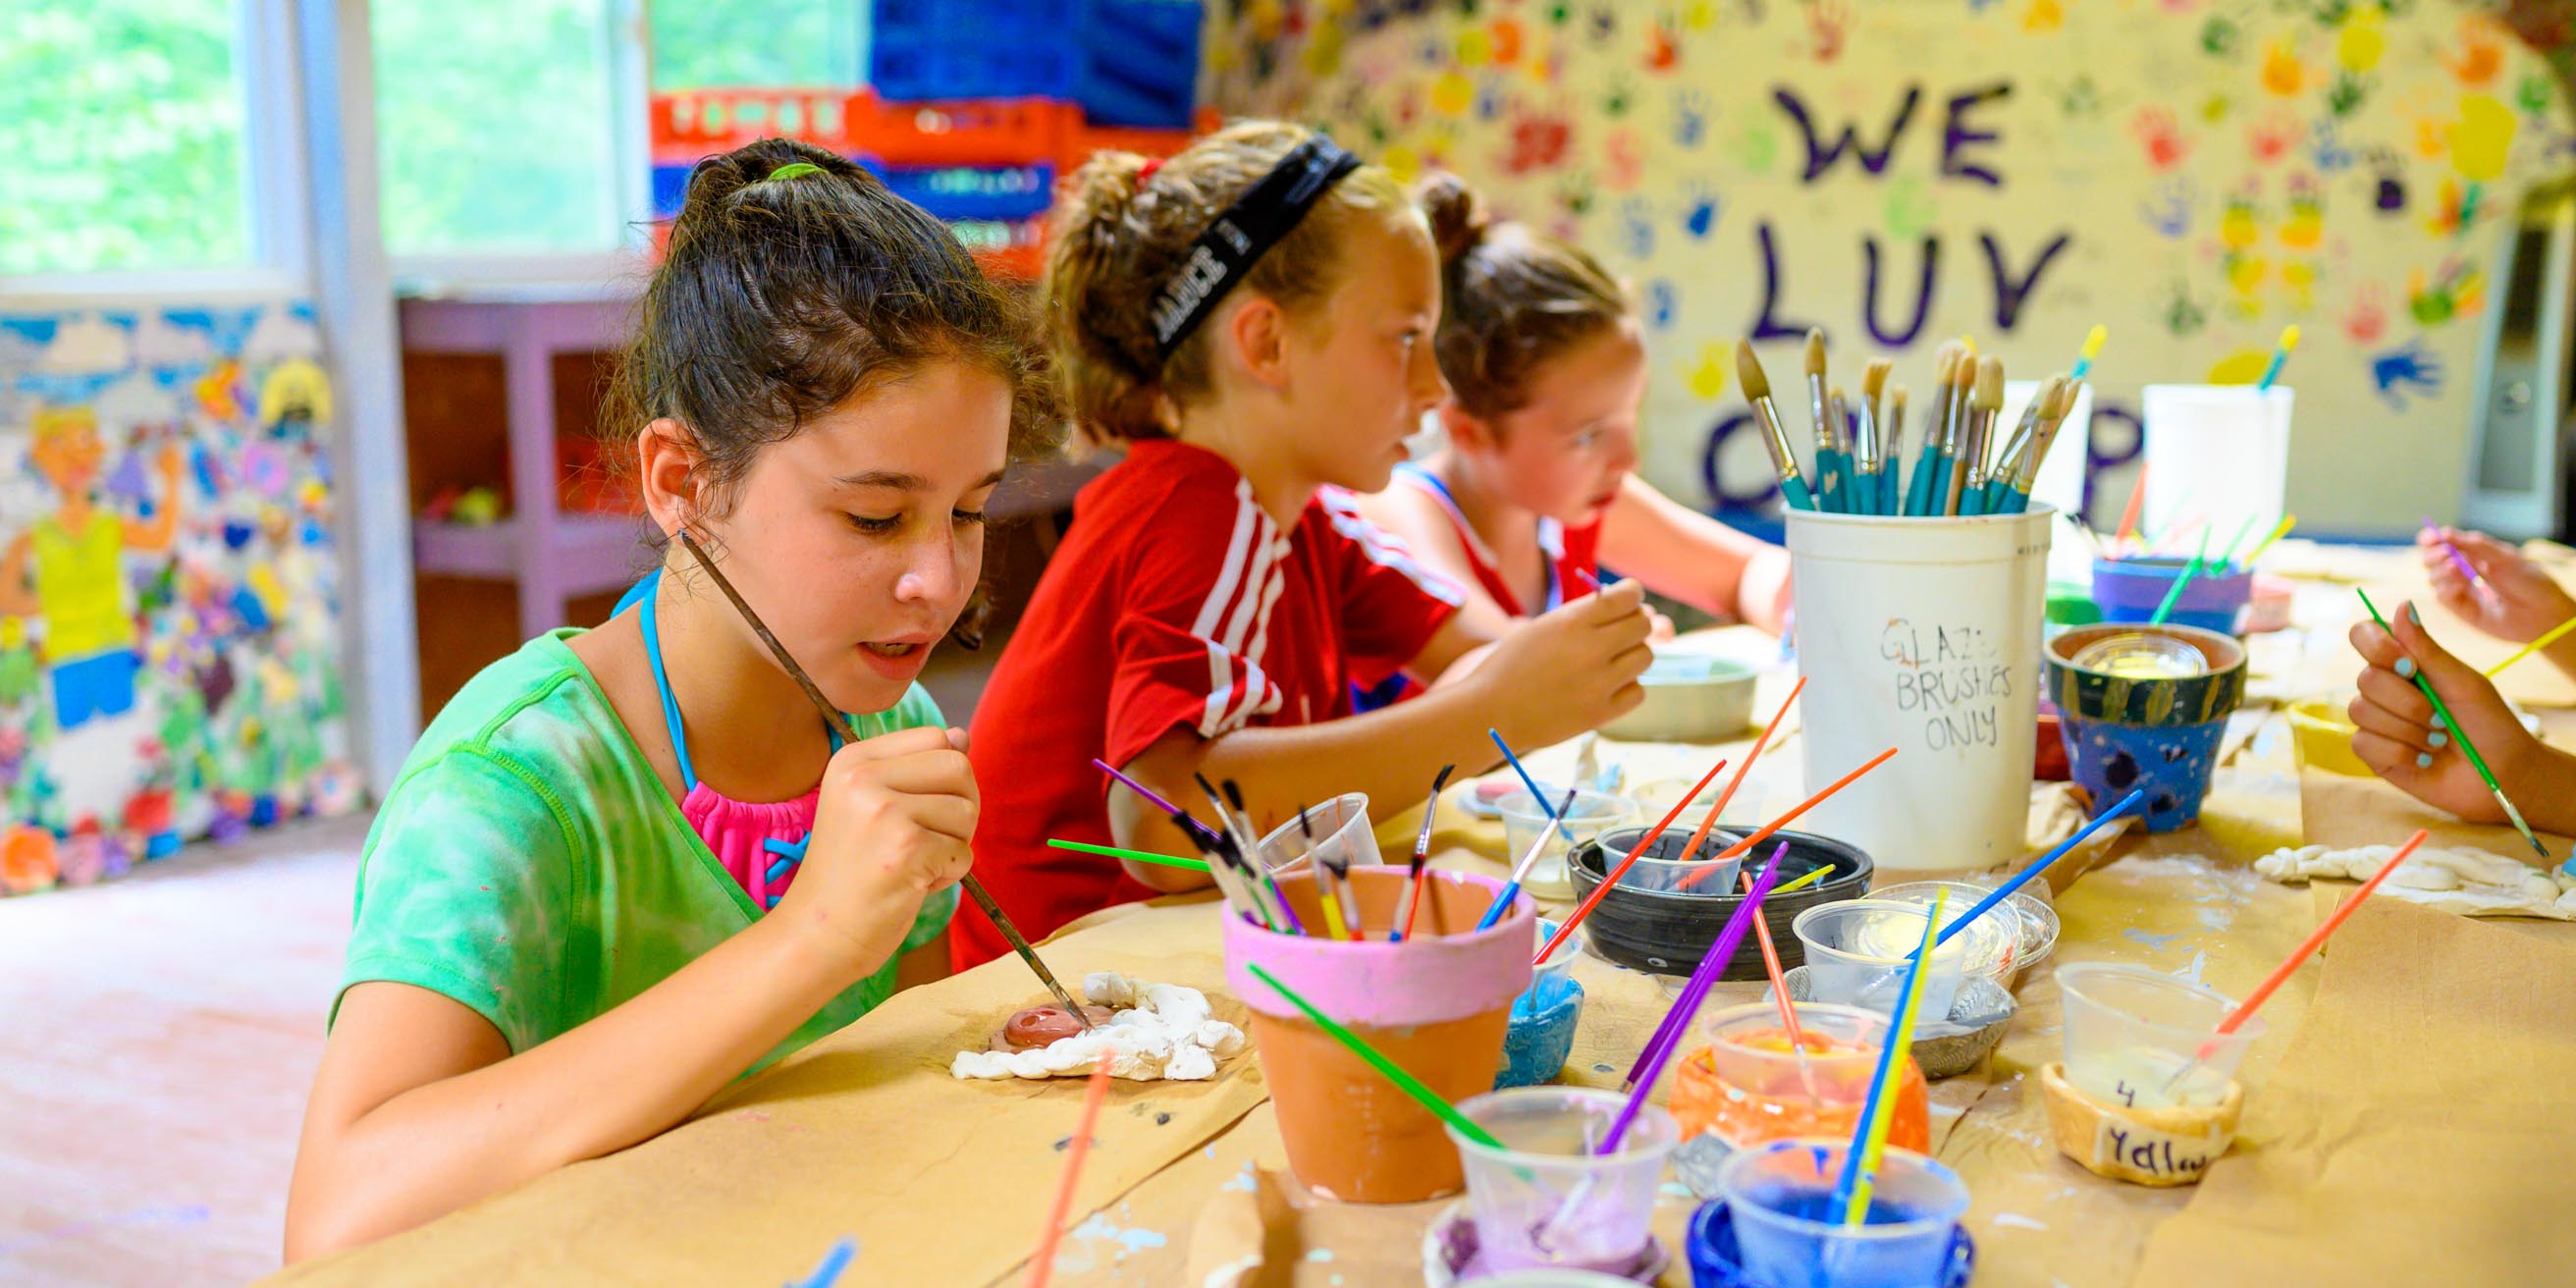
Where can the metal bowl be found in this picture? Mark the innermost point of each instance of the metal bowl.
(1952, 1045)
(1690, 697)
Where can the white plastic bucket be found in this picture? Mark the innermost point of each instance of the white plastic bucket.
(2220, 453)
(1922, 635)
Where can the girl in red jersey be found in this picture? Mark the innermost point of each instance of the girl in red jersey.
(1535, 487)
(1254, 318)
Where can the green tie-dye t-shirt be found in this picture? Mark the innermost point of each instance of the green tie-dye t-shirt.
(531, 865)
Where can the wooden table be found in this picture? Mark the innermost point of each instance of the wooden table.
(945, 1183)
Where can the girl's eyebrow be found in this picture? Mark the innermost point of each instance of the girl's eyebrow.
(902, 482)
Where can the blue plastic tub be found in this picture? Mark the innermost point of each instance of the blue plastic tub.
(2130, 590)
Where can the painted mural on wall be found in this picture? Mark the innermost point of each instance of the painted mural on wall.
(169, 655)
(2194, 174)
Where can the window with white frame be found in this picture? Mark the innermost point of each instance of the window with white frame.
(121, 122)
(498, 126)
(698, 44)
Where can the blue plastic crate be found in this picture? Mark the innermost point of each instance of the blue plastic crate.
(1140, 62)
(935, 49)
(1126, 62)
(997, 193)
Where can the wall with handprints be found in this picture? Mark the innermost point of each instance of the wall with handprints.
(2193, 174)
(169, 658)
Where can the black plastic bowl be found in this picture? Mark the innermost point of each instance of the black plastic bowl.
(1667, 932)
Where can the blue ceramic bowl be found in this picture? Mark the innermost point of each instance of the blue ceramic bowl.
(1715, 1263)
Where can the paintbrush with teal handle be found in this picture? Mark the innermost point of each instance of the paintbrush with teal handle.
(1833, 464)
(1775, 436)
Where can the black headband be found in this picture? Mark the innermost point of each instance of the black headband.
(1245, 231)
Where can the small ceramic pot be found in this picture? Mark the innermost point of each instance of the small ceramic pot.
(2158, 1147)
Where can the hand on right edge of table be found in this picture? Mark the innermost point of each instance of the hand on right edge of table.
(2518, 601)
(2399, 735)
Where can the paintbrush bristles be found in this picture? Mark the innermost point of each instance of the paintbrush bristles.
(1815, 351)
(1873, 378)
(1990, 384)
(1748, 372)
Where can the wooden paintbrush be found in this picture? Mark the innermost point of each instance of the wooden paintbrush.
(1985, 404)
(841, 725)
(1931, 470)
(1421, 856)
(2011, 493)
(1870, 462)
(1775, 436)
(1848, 496)
(1892, 453)
(1833, 468)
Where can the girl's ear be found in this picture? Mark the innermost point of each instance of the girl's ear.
(666, 472)
(1255, 338)
(1467, 429)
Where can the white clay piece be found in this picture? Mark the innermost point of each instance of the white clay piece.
(1155, 1031)
(2472, 883)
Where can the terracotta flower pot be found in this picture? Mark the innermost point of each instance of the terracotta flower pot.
(1436, 1004)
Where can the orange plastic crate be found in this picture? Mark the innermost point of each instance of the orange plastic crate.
(690, 125)
(983, 131)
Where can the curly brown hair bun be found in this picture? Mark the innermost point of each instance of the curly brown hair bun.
(1511, 300)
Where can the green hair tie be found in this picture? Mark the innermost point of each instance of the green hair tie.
(792, 169)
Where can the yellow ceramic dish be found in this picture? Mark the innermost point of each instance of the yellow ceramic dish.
(2325, 737)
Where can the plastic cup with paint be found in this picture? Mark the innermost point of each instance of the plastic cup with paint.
(2129, 1030)
(1789, 1232)
(1747, 1086)
(1857, 951)
(1524, 819)
(1340, 827)
(1546, 1198)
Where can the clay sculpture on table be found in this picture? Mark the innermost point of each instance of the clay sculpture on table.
(2472, 883)
(1151, 1031)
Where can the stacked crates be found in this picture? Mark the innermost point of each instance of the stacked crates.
(976, 108)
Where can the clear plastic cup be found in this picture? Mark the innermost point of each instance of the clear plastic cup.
(1857, 951)
(1524, 819)
(1340, 826)
(1560, 962)
(2027, 912)
(1546, 1199)
(1765, 1093)
(2130, 1030)
(1781, 1194)
(1554, 1277)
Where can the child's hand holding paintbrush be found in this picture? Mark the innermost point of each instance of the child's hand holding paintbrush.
(2498, 591)
(2400, 736)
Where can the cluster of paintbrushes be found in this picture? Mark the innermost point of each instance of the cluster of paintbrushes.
(1233, 861)
(1963, 466)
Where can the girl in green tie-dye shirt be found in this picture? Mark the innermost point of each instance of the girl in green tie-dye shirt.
(626, 865)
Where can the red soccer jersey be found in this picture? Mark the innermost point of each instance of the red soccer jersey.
(1174, 603)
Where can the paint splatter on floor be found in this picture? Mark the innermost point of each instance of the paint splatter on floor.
(2016, 1221)
(1242, 1180)
(1322, 1255)
(2137, 936)
(2192, 972)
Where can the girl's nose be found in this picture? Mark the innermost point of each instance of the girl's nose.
(1428, 387)
(932, 574)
